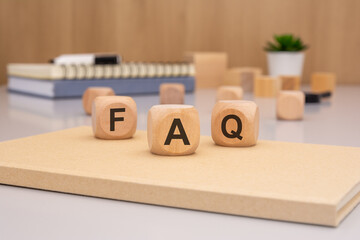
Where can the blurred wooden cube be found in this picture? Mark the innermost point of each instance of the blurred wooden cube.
(91, 93)
(247, 77)
(210, 67)
(172, 93)
(232, 77)
(242, 76)
(290, 105)
(266, 86)
(229, 93)
(290, 82)
(323, 82)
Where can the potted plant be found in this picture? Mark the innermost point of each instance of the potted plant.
(286, 55)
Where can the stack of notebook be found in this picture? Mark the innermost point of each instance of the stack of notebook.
(71, 80)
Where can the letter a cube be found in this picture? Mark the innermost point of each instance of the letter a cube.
(235, 123)
(114, 117)
(173, 129)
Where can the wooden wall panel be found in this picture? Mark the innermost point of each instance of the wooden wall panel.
(37, 30)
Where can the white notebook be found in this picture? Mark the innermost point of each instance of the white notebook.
(123, 70)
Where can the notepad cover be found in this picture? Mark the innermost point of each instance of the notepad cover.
(296, 182)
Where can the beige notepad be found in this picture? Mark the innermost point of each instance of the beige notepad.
(284, 181)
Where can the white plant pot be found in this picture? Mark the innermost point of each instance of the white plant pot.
(285, 63)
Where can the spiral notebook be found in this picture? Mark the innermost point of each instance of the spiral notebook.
(60, 81)
(124, 70)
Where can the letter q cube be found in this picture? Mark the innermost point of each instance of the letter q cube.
(235, 123)
(114, 117)
(173, 129)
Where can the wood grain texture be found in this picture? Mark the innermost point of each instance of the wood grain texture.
(37, 30)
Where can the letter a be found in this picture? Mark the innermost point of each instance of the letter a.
(182, 135)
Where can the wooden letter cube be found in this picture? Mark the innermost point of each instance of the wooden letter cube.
(266, 86)
(290, 82)
(323, 82)
(172, 93)
(229, 93)
(173, 129)
(91, 93)
(114, 117)
(235, 123)
(290, 105)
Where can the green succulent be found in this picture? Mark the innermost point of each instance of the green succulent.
(285, 42)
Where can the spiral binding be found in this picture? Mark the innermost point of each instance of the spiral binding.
(128, 70)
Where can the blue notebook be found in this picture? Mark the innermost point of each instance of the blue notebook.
(75, 88)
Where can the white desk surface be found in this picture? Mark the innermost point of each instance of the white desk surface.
(35, 214)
